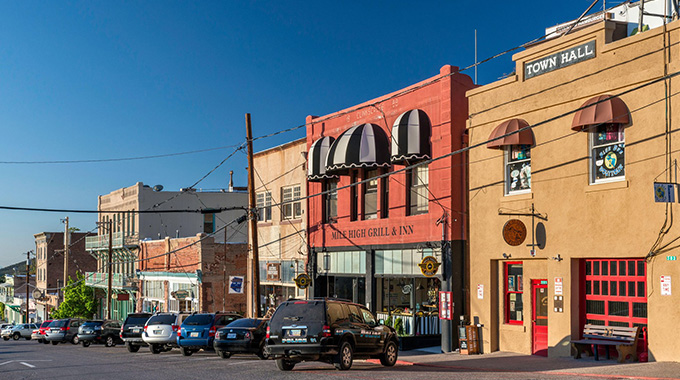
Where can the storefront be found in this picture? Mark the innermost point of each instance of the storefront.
(386, 207)
(277, 283)
(565, 229)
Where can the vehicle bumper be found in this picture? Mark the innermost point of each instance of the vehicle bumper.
(55, 337)
(170, 341)
(136, 341)
(89, 337)
(302, 351)
(235, 346)
(195, 343)
(37, 336)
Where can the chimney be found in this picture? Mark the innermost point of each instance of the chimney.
(231, 181)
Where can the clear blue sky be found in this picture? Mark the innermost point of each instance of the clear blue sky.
(111, 79)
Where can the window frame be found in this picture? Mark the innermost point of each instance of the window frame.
(508, 165)
(330, 201)
(592, 161)
(507, 292)
(413, 193)
(263, 202)
(370, 190)
(291, 209)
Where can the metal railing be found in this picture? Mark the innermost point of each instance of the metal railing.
(119, 240)
(101, 280)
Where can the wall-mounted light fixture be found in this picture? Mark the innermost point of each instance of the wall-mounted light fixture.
(506, 255)
(558, 258)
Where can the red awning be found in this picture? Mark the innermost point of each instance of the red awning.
(603, 109)
(525, 137)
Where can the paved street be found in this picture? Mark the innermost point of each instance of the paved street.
(30, 360)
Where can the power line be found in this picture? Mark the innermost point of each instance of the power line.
(194, 211)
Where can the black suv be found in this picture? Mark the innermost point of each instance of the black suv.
(98, 331)
(328, 330)
(131, 332)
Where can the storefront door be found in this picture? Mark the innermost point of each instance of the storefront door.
(539, 320)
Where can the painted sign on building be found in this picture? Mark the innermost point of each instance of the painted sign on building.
(559, 60)
(665, 285)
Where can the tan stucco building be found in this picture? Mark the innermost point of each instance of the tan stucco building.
(597, 248)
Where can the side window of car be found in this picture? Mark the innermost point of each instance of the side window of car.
(354, 315)
(368, 317)
(337, 313)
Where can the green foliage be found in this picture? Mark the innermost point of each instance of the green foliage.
(389, 321)
(79, 301)
(399, 326)
(2, 311)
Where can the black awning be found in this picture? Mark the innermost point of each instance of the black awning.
(411, 137)
(363, 146)
(316, 159)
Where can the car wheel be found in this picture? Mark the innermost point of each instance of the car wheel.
(285, 365)
(185, 351)
(109, 341)
(5, 338)
(86, 344)
(29, 338)
(75, 339)
(45, 341)
(344, 359)
(224, 354)
(16, 336)
(264, 351)
(155, 348)
(389, 357)
(40, 340)
(54, 342)
(132, 347)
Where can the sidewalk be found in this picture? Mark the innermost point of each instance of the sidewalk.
(512, 362)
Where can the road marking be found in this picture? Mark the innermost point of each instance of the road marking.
(27, 365)
(6, 362)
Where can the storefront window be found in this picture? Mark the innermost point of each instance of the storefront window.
(514, 307)
(518, 169)
(607, 153)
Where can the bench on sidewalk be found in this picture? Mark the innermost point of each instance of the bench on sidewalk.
(624, 338)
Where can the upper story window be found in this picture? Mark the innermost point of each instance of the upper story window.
(371, 195)
(330, 201)
(518, 169)
(208, 223)
(292, 206)
(607, 147)
(354, 196)
(417, 193)
(264, 206)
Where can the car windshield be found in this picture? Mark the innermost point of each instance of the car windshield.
(93, 323)
(59, 323)
(46, 323)
(245, 322)
(162, 320)
(199, 319)
(136, 320)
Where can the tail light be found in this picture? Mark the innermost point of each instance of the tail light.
(120, 334)
(63, 328)
(212, 331)
(145, 328)
(179, 332)
(326, 332)
(175, 328)
(247, 335)
(268, 331)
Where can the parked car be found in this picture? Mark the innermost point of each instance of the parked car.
(100, 332)
(198, 330)
(39, 333)
(245, 335)
(328, 330)
(131, 332)
(63, 330)
(22, 330)
(6, 330)
(160, 331)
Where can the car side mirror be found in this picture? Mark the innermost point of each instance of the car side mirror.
(381, 321)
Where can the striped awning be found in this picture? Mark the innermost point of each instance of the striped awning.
(506, 134)
(411, 137)
(603, 109)
(363, 146)
(316, 159)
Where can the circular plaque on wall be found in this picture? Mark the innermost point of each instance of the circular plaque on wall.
(514, 232)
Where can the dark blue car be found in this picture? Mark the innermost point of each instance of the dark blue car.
(198, 331)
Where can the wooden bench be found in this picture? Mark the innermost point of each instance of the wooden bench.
(624, 338)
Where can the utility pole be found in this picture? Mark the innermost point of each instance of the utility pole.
(254, 290)
(28, 269)
(66, 244)
(110, 276)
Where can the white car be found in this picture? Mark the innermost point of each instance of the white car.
(6, 330)
(23, 330)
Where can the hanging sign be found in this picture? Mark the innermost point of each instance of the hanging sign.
(665, 285)
(303, 280)
(664, 192)
(429, 266)
(514, 232)
(37, 294)
(236, 284)
(180, 295)
(445, 306)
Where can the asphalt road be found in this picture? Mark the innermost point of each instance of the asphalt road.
(31, 360)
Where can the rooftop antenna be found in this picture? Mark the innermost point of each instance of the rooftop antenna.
(231, 181)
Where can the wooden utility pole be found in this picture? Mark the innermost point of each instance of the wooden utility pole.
(28, 270)
(66, 244)
(254, 289)
(110, 276)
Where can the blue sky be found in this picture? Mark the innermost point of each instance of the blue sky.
(104, 79)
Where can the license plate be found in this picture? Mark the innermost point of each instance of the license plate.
(295, 332)
(194, 334)
(158, 332)
(136, 329)
(87, 331)
(231, 336)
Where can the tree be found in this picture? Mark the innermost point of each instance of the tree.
(79, 300)
(2, 311)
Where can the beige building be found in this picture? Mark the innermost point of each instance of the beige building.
(280, 176)
(564, 227)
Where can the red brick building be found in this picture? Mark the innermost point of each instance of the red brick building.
(192, 274)
(367, 240)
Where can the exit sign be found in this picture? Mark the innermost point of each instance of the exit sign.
(671, 258)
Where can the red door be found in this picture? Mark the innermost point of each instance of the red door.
(539, 320)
